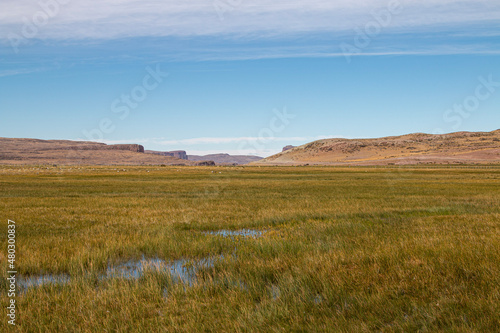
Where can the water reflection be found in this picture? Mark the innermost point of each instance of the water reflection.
(25, 282)
(181, 271)
(249, 233)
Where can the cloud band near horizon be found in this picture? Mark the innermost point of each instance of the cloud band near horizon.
(253, 145)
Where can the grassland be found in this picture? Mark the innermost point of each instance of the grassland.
(343, 249)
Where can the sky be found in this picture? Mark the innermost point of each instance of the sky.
(246, 77)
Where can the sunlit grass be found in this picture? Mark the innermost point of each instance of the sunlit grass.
(344, 249)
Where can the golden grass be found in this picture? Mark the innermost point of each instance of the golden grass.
(344, 249)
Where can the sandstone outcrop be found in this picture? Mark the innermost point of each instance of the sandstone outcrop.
(180, 154)
(288, 148)
(132, 147)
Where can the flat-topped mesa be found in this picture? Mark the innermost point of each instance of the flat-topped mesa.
(180, 154)
(132, 147)
(15, 151)
(45, 145)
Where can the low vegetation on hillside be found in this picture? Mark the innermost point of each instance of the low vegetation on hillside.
(417, 148)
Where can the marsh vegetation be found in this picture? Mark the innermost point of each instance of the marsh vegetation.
(291, 249)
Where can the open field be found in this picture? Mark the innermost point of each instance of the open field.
(342, 249)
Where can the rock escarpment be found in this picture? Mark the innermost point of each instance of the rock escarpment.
(288, 148)
(180, 154)
(132, 147)
(65, 152)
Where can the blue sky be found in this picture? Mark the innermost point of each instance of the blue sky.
(246, 77)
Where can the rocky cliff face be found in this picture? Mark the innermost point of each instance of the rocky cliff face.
(44, 145)
(132, 147)
(288, 148)
(180, 154)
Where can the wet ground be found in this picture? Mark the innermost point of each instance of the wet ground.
(181, 271)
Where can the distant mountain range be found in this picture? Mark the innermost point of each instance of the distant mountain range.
(417, 148)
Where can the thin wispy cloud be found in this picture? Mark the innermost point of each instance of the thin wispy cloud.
(219, 140)
(211, 141)
(245, 145)
(130, 18)
(213, 30)
(254, 152)
(13, 72)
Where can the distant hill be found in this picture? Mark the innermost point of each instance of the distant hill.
(34, 151)
(225, 158)
(418, 148)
